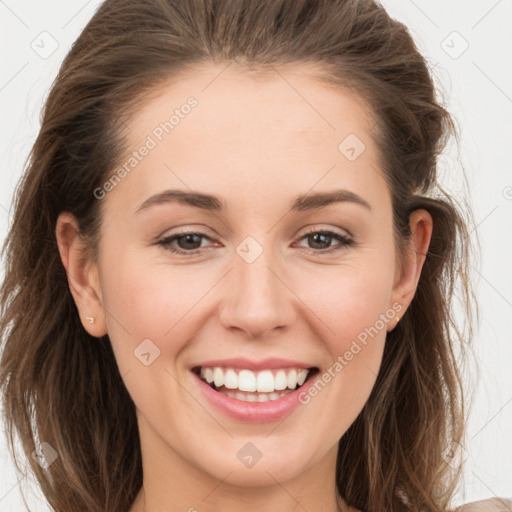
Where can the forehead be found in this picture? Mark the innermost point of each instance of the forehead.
(256, 132)
(293, 97)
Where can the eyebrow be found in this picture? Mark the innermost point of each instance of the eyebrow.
(213, 203)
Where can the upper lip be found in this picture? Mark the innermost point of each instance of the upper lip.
(262, 364)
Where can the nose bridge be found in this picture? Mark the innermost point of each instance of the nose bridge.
(257, 300)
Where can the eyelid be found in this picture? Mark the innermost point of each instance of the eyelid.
(317, 229)
(189, 230)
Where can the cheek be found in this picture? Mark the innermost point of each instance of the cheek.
(346, 382)
(148, 300)
(349, 301)
(158, 304)
(155, 300)
(353, 306)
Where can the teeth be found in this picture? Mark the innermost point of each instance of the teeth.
(218, 377)
(254, 397)
(208, 375)
(292, 379)
(281, 381)
(301, 377)
(246, 381)
(230, 379)
(265, 381)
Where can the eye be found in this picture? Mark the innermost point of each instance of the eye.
(187, 243)
(321, 240)
(190, 243)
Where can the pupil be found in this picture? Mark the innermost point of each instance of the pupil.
(316, 236)
(188, 239)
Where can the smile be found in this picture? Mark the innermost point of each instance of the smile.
(273, 392)
(252, 386)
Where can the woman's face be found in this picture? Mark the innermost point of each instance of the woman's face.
(259, 287)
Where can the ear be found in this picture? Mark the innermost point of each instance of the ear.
(408, 276)
(82, 274)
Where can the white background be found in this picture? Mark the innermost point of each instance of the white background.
(477, 86)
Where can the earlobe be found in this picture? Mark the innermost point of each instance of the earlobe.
(421, 226)
(82, 274)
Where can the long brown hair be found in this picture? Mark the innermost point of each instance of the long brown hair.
(62, 386)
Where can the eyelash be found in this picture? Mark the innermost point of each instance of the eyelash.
(345, 242)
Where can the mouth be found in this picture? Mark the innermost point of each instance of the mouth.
(254, 386)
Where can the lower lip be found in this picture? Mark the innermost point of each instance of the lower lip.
(254, 412)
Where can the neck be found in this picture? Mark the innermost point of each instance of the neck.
(140, 505)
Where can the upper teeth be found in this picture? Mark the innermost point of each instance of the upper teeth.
(265, 381)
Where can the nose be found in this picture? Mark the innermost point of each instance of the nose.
(256, 298)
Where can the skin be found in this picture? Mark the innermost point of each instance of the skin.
(254, 142)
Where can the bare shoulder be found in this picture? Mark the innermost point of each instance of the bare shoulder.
(490, 505)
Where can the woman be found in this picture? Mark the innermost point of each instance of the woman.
(298, 354)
